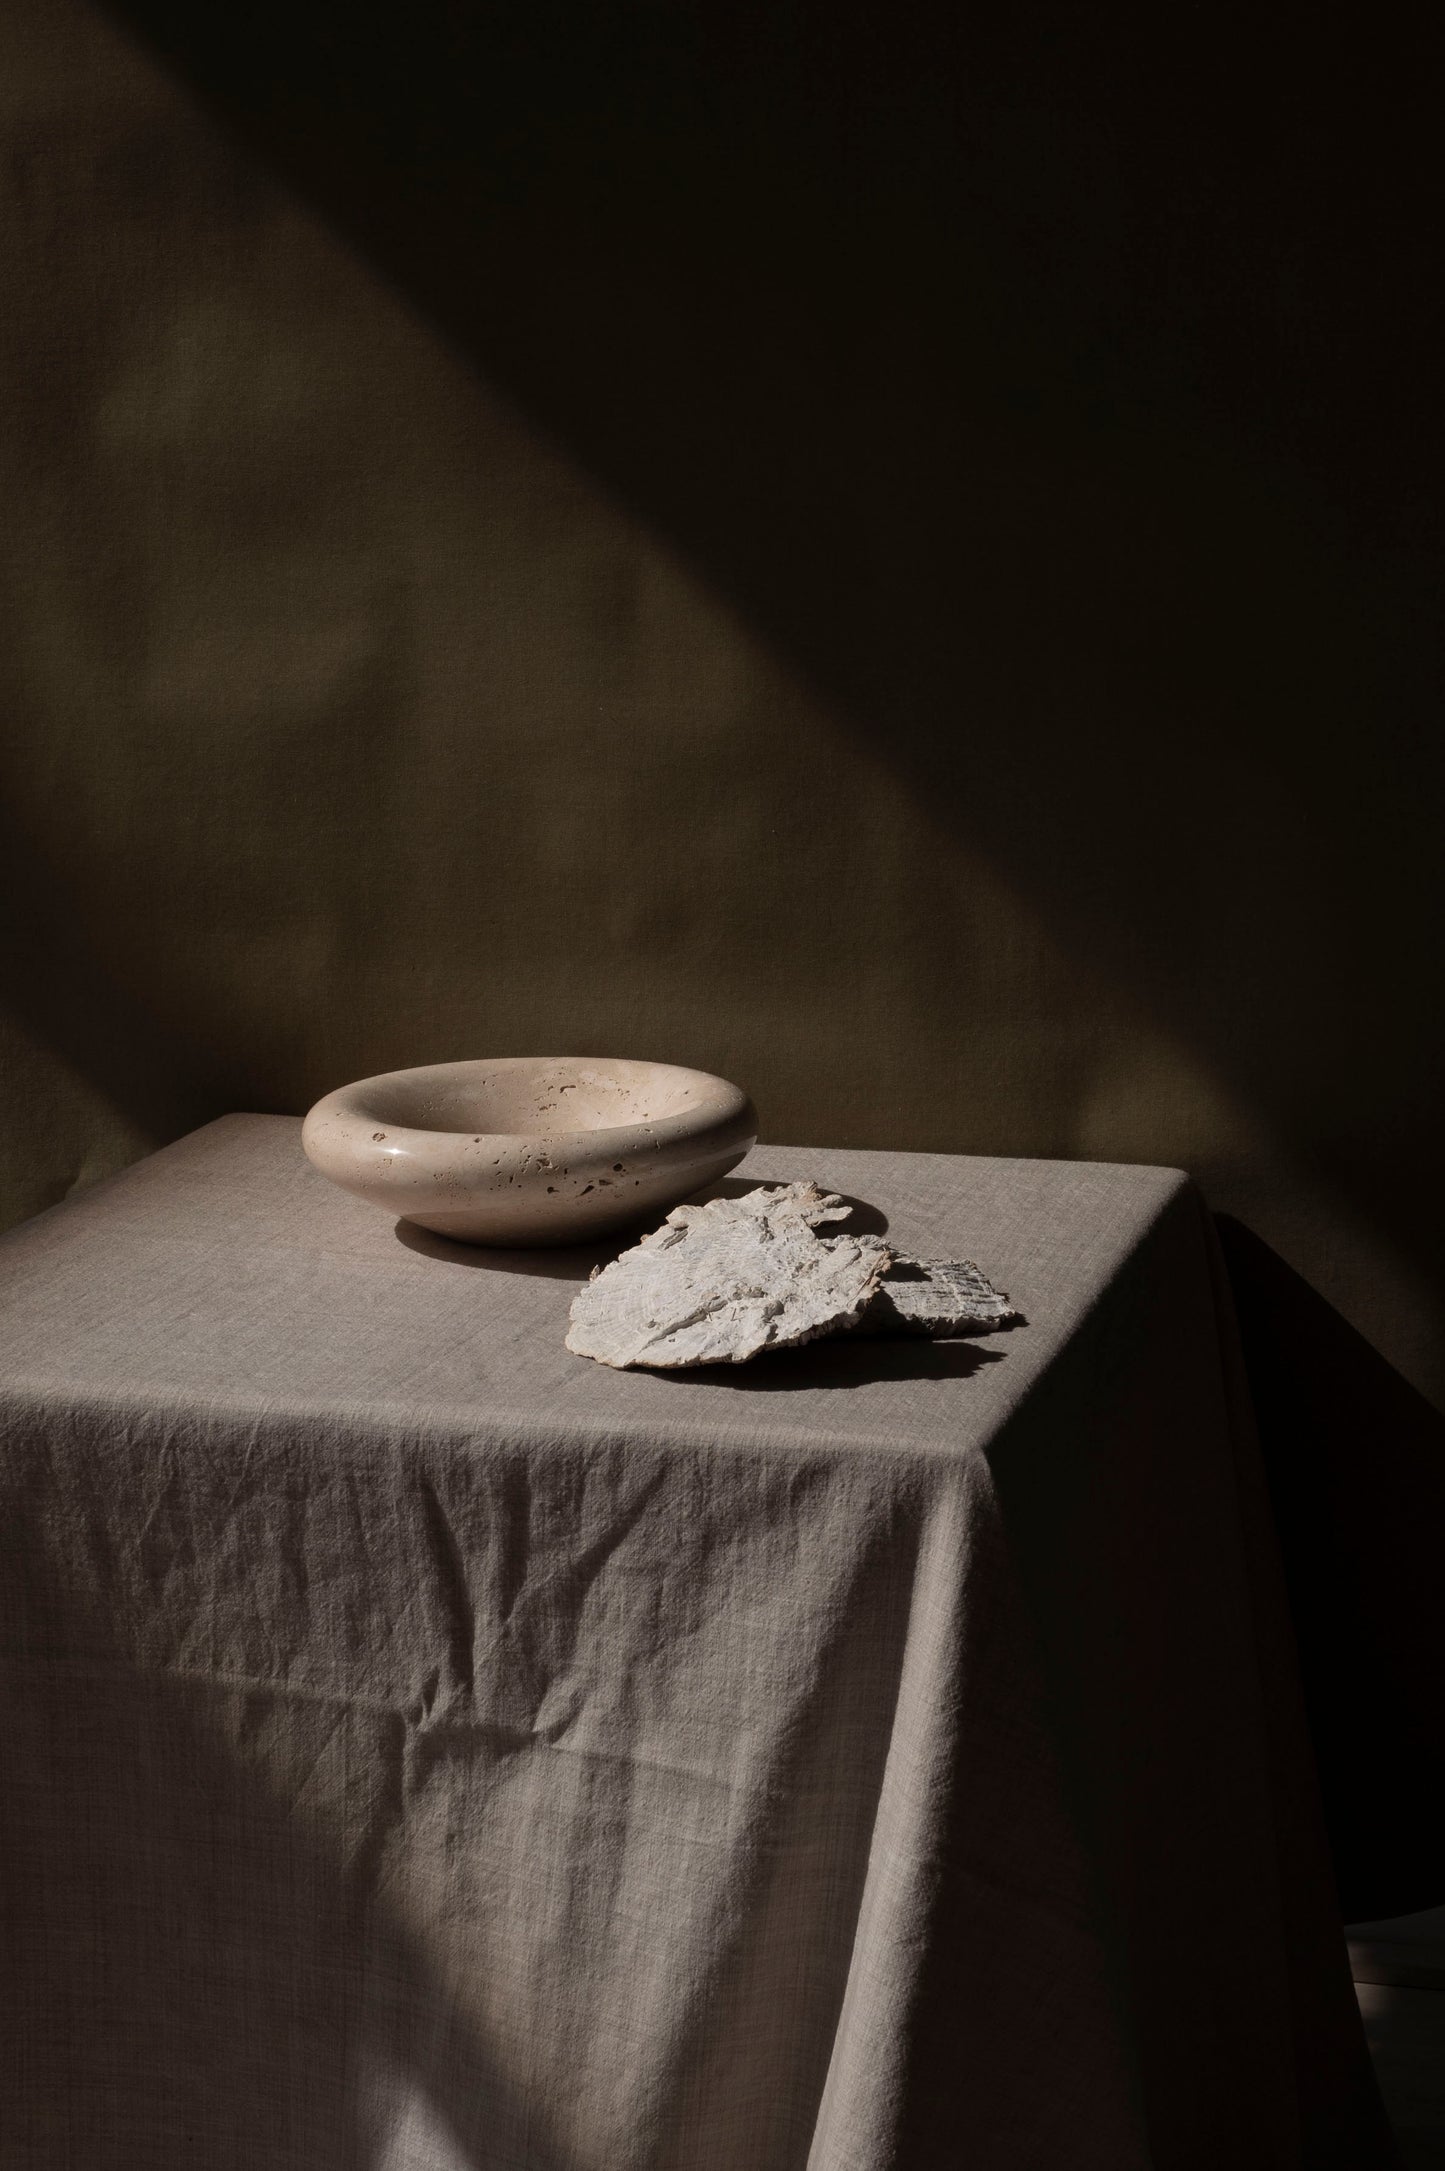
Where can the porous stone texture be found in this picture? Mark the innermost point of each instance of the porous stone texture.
(530, 1149)
(720, 1282)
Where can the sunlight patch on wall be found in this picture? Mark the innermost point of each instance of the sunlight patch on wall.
(360, 728)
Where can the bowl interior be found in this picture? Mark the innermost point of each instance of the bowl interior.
(525, 1098)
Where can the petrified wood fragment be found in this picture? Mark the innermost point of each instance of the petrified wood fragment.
(717, 1284)
(937, 1297)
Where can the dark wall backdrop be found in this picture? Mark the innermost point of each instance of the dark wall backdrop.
(893, 555)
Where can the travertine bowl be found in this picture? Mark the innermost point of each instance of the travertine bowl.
(530, 1149)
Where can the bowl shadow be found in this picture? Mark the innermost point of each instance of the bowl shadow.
(864, 1219)
(561, 1262)
(575, 1262)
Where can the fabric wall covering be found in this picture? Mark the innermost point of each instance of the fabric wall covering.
(893, 566)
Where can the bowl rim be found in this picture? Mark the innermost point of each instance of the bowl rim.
(669, 1126)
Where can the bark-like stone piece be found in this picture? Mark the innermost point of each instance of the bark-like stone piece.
(936, 1297)
(718, 1283)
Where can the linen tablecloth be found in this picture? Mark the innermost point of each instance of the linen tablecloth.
(427, 1750)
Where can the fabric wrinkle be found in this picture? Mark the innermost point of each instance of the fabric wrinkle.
(468, 1758)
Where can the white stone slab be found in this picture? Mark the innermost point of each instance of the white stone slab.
(718, 1283)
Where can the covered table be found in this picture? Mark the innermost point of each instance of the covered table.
(426, 1750)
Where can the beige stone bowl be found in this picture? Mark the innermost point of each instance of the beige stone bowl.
(530, 1149)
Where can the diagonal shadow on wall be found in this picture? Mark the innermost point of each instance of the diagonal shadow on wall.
(1064, 414)
(1043, 400)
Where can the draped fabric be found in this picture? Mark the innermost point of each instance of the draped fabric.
(428, 1751)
